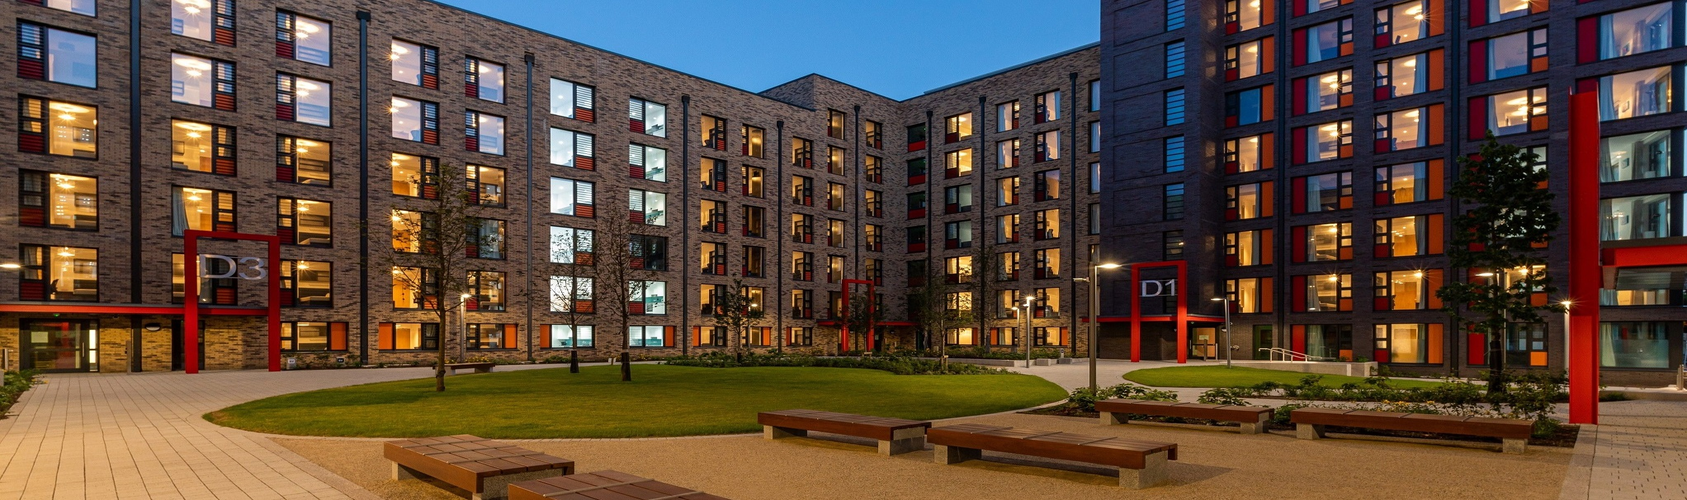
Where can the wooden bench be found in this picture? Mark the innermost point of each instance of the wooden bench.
(1252, 418)
(1142, 464)
(895, 435)
(602, 484)
(1513, 434)
(477, 367)
(483, 467)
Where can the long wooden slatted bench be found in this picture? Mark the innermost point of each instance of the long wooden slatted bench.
(483, 467)
(1513, 434)
(1142, 464)
(601, 485)
(477, 367)
(895, 435)
(1252, 418)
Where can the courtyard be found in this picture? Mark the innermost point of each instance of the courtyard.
(147, 436)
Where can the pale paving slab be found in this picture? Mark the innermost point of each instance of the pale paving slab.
(1638, 451)
(141, 435)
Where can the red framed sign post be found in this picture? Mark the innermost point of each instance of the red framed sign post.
(843, 321)
(1180, 318)
(190, 295)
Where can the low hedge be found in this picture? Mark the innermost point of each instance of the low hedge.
(13, 388)
(900, 365)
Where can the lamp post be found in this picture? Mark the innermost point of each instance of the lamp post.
(1226, 300)
(463, 321)
(1566, 304)
(1027, 335)
(1095, 312)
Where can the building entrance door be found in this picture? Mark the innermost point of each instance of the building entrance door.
(60, 345)
(1263, 339)
(1204, 343)
(177, 353)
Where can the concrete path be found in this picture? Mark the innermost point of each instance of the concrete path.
(1638, 451)
(104, 436)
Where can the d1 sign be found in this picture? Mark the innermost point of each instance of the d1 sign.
(1159, 288)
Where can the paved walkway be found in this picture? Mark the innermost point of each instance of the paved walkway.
(101, 436)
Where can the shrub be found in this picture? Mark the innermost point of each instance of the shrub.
(1083, 399)
(900, 365)
(1223, 396)
(13, 387)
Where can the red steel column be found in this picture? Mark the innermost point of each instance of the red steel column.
(274, 273)
(1585, 273)
(1136, 314)
(1182, 317)
(190, 301)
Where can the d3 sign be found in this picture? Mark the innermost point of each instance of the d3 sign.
(246, 268)
(1159, 288)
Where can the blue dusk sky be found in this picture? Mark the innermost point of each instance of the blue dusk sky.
(900, 48)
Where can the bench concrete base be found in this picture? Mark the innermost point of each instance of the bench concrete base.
(904, 441)
(491, 488)
(1309, 431)
(1111, 418)
(1517, 446)
(1153, 473)
(477, 369)
(950, 455)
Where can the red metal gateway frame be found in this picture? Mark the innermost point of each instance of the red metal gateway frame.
(1181, 318)
(1586, 273)
(190, 295)
(843, 325)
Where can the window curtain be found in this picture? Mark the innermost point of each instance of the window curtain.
(178, 212)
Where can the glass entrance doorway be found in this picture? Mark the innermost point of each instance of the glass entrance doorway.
(1263, 339)
(177, 352)
(1203, 343)
(60, 345)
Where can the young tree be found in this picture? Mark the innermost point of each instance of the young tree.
(980, 279)
(432, 248)
(936, 310)
(737, 312)
(1499, 236)
(864, 313)
(623, 262)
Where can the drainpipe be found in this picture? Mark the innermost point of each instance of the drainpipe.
(531, 333)
(1071, 201)
(684, 210)
(778, 215)
(135, 275)
(363, 185)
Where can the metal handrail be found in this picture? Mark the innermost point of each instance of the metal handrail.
(1288, 355)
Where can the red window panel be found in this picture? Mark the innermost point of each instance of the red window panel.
(471, 79)
(32, 51)
(222, 22)
(430, 68)
(1477, 123)
(1587, 39)
(32, 125)
(284, 36)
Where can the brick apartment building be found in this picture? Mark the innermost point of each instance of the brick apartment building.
(1307, 145)
(130, 122)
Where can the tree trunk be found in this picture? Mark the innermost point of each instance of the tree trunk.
(573, 361)
(626, 367)
(439, 369)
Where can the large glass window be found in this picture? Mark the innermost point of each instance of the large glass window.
(1048, 107)
(486, 80)
(1409, 343)
(1516, 54)
(412, 336)
(1636, 344)
(486, 291)
(304, 100)
(201, 209)
(304, 161)
(1328, 141)
(201, 82)
(58, 128)
(1007, 116)
(1407, 290)
(1329, 242)
(572, 100)
(1518, 112)
(1175, 106)
(1328, 292)
(1247, 154)
(1635, 217)
(1635, 31)
(1646, 286)
(1500, 10)
(1408, 75)
(486, 185)
(59, 273)
(484, 132)
(307, 283)
(303, 38)
(569, 337)
(650, 207)
(647, 117)
(571, 246)
(1248, 59)
(414, 288)
(1407, 129)
(486, 239)
(1403, 22)
(313, 337)
(57, 55)
(572, 294)
(1328, 41)
(202, 147)
(84, 7)
(572, 149)
(58, 200)
(1329, 192)
(1636, 93)
(647, 297)
(647, 336)
(1408, 236)
(1247, 106)
(305, 222)
(1644, 155)
(1329, 91)
(414, 120)
(415, 176)
(415, 64)
(1243, 15)
(1408, 183)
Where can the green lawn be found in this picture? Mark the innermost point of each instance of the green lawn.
(660, 401)
(1218, 376)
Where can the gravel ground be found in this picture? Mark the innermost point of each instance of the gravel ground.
(1213, 464)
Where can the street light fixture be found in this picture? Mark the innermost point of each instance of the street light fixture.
(1227, 345)
(1027, 334)
(1094, 313)
(1566, 303)
(10, 266)
(463, 319)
